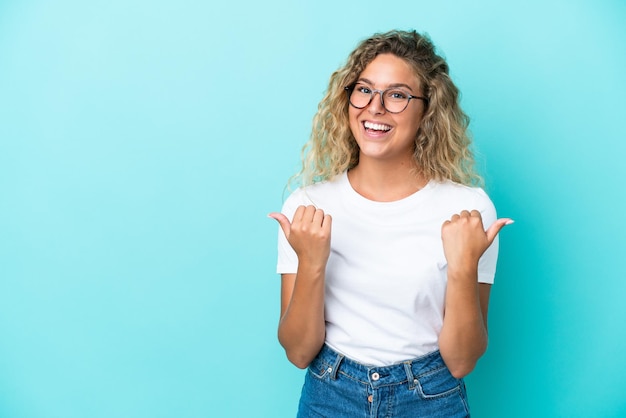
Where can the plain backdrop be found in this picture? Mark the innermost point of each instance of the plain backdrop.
(142, 144)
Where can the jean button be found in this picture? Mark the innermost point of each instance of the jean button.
(375, 376)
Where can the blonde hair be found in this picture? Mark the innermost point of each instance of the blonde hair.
(442, 144)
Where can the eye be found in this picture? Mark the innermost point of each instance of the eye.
(396, 95)
(362, 89)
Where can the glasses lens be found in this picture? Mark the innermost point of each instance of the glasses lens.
(361, 96)
(395, 100)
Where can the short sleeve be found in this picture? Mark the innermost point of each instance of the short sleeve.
(287, 259)
(488, 261)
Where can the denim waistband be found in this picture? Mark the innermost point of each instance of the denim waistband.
(409, 371)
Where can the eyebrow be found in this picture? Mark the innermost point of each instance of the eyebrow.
(365, 80)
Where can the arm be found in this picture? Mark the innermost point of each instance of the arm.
(302, 328)
(463, 338)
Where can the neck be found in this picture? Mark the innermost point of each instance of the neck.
(384, 181)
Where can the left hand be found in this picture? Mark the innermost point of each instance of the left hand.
(465, 239)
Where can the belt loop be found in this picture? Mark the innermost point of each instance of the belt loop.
(409, 375)
(335, 366)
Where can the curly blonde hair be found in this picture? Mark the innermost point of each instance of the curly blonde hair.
(442, 144)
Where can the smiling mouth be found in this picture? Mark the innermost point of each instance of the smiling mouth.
(376, 127)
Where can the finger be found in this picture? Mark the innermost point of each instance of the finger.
(318, 217)
(464, 214)
(327, 222)
(299, 213)
(475, 213)
(283, 221)
(493, 230)
(309, 214)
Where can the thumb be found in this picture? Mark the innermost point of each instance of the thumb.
(495, 227)
(283, 221)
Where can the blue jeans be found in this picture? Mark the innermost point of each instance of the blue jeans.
(336, 387)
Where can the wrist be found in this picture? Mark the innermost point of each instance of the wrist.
(466, 272)
(311, 268)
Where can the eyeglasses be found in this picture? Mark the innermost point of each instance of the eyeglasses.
(393, 99)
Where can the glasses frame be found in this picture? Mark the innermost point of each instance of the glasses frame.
(350, 89)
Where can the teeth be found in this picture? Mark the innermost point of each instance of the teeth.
(376, 126)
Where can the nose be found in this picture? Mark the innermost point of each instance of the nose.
(376, 106)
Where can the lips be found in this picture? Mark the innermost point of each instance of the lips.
(376, 127)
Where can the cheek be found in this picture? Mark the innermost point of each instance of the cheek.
(414, 121)
(352, 118)
(416, 126)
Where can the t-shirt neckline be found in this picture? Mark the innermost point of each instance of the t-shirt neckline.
(354, 196)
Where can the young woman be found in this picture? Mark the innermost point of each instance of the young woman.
(385, 261)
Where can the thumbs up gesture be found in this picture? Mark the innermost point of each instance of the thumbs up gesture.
(308, 234)
(465, 239)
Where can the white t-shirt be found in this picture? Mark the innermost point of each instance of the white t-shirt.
(386, 275)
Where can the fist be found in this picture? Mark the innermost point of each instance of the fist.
(465, 239)
(308, 233)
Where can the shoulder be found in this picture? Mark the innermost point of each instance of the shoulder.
(466, 196)
(316, 194)
(460, 191)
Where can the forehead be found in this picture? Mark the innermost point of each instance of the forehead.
(388, 69)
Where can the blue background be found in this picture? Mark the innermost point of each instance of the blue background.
(143, 143)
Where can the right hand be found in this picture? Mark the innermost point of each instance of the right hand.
(308, 233)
